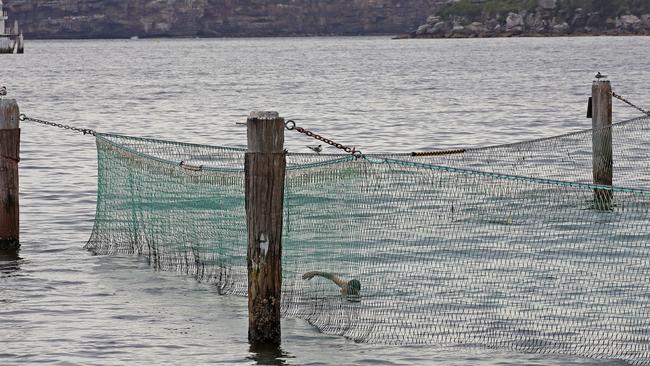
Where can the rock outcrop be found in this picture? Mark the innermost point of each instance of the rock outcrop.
(190, 18)
(547, 18)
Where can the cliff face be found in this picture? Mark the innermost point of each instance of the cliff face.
(491, 18)
(155, 18)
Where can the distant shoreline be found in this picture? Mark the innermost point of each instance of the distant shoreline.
(546, 21)
(59, 38)
(389, 36)
(522, 35)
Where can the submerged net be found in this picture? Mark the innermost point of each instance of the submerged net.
(499, 254)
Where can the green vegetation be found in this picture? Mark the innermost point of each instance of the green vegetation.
(505, 6)
(464, 8)
(491, 8)
(609, 7)
(474, 9)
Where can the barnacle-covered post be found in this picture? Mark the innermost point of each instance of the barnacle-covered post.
(9, 157)
(603, 163)
(265, 166)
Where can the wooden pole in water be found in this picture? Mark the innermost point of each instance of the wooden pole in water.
(601, 122)
(9, 157)
(265, 166)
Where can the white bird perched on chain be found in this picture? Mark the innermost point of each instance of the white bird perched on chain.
(3, 91)
(600, 76)
(317, 149)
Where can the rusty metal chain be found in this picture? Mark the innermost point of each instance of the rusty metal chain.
(85, 131)
(619, 97)
(291, 126)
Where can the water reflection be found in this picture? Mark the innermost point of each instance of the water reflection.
(9, 263)
(269, 355)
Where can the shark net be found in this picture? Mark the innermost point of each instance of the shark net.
(504, 247)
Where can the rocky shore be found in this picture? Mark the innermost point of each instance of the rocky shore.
(215, 18)
(546, 19)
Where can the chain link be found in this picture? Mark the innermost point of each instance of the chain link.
(617, 96)
(291, 125)
(85, 131)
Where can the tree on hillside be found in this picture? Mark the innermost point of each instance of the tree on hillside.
(606, 6)
(620, 7)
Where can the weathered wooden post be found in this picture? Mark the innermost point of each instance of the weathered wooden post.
(601, 122)
(9, 157)
(265, 166)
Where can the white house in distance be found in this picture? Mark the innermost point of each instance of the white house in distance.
(11, 40)
(3, 17)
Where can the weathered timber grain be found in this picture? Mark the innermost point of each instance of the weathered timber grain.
(9, 157)
(265, 166)
(603, 163)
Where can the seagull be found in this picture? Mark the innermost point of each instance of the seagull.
(600, 76)
(316, 149)
(3, 91)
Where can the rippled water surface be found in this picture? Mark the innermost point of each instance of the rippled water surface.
(60, 305)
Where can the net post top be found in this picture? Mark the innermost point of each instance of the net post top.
(265, 132)
(9, 114)
(601, 86)
(264, 115)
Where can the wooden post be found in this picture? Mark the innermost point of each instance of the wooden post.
(9, 157)
(265, 166)
(603, 163)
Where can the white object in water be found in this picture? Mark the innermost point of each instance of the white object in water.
(6, 45)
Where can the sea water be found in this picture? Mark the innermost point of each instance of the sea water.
(61, 305)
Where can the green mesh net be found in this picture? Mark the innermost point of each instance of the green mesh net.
(504, 247)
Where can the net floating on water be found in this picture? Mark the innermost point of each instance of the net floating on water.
(501, 247)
